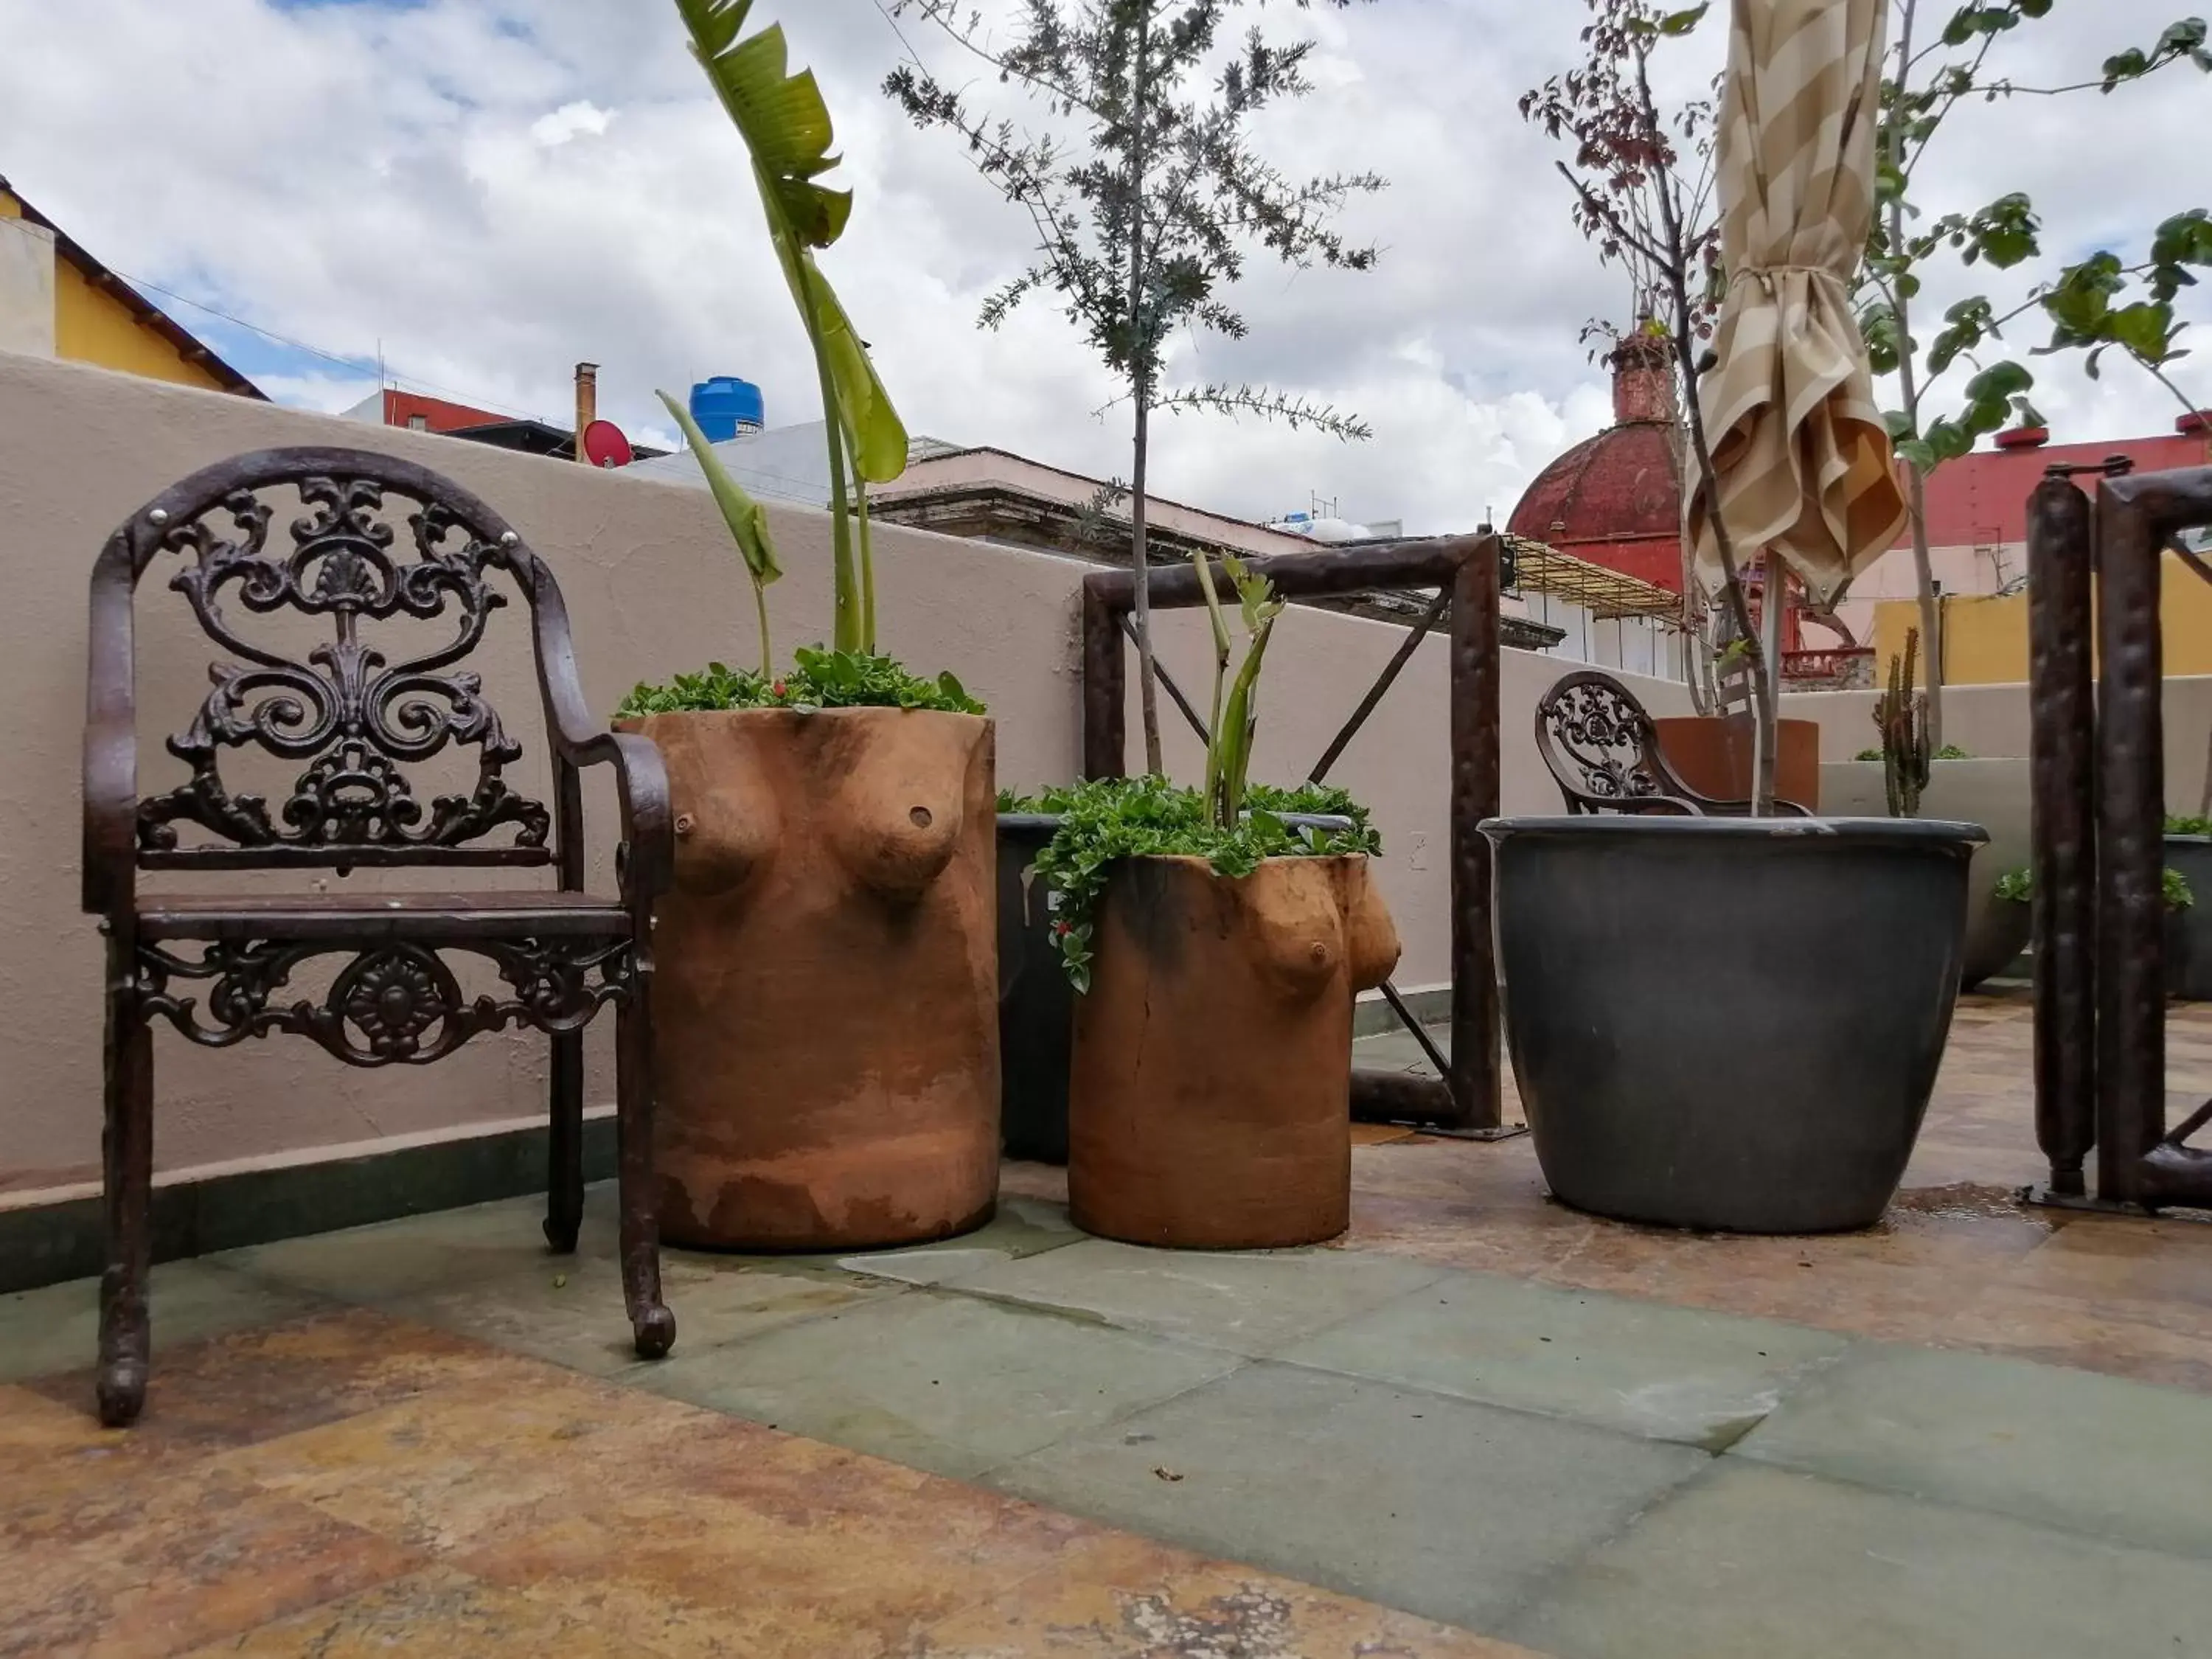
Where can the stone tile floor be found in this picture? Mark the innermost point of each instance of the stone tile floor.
(1481, 1426)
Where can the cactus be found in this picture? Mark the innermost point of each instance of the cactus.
(1900, 715)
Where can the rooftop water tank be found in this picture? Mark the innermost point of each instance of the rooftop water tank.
(725, 406)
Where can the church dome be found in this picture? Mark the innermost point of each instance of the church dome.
(1616, 499)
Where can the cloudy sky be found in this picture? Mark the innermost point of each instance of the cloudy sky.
(485, 190)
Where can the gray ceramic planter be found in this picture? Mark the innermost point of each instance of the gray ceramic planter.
(1729, 1024)
(1994, 793)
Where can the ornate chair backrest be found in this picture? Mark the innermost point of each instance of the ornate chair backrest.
(1603, 748)
(368, 548)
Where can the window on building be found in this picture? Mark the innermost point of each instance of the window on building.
(418, 422)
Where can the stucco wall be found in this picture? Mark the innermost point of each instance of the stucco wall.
(653, 586)
(1991, 721)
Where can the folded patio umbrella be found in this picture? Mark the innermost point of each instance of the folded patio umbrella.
(1802, 460)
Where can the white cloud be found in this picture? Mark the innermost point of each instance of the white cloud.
(579, 117)
(418, 176)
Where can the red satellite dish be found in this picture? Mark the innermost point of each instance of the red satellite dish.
(605, 445)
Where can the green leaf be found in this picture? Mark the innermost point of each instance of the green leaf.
(780, 116)
(1681, 22)
(746, 518)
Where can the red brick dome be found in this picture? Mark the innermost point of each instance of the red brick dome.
(1616, 499)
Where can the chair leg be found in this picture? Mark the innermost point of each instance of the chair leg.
(564, 1148)
(653, 1325)
(125, 1331)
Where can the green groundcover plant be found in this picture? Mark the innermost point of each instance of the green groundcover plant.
(821, 679)
(2188, 826)
(2018, 887)
(1113, 818)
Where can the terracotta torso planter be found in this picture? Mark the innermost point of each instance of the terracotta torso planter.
(825, 1010)
(1210, 1105)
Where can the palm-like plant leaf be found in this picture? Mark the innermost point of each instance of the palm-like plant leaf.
(780, 116)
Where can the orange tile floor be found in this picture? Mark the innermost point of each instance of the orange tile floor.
(425, 1439)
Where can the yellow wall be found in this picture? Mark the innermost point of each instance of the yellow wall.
(93, 326)
(1985, 638)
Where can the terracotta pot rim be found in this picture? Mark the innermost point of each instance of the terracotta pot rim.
(795, 715)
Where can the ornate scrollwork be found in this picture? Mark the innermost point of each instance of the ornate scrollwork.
(395, 1003)
(356, 718)
(1599, 732)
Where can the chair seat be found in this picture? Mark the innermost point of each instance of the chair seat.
(424, 916)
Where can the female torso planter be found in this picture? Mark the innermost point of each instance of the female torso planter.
(1210, 1105)
(825, 1010)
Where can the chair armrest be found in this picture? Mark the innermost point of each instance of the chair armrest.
(649, 829)
(648, 825)
(110, 855)
(111, 813)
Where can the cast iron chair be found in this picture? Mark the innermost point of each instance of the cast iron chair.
(1603, 751)
(378, 541)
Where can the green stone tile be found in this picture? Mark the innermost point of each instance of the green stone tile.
(1640, 1367)
(1757, 1562)
(2120, 1460)
(391, 1259)
(56, 1328)
(570, 1310)
(1442, 1507)
(1023, 1227)
(945, 1383)
(1250, 1302)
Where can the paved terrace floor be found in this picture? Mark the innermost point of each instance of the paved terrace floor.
(1482, 1426)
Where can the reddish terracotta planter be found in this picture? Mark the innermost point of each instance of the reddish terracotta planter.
(1713, 755)
(826, 1007)
(1210, 1104)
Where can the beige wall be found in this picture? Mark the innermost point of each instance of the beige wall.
(1989, 721)
(653, 586)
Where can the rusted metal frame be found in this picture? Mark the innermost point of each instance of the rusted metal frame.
(1437, 1057)
(1174, 692)
(1469, 1097)
(2062, 770)
(2138, 1163)
(1383, 681)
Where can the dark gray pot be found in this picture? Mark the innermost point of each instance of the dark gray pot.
(1730, 1023)
(1036, 1005)
(2189, 932)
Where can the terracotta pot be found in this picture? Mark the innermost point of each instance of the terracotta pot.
(1713, 755)
(1210, 1103)
(825, 1008)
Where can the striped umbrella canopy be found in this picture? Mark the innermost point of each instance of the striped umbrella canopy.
(1801, 461)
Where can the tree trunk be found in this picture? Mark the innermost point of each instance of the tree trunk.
(1140, 381)
(1908, 388)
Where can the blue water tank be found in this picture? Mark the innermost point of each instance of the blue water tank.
(726, 405)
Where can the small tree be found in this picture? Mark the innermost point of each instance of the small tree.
(1146, 195)
(1926, 81)
(1645, 191)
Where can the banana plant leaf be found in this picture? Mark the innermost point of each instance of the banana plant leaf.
(787, 128)
(747, 518)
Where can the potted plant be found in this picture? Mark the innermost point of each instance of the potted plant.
(2188, 963)
(2189, 926)
(1217, 948)
(826, 1045)
(1906, 776)
(1036, 1002)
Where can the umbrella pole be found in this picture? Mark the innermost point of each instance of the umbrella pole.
(1774, 585)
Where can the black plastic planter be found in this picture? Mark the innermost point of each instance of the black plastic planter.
(1731, 1023)
(1036, 1005)
(2188, 929)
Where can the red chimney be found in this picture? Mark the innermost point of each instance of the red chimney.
(1643, 379)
